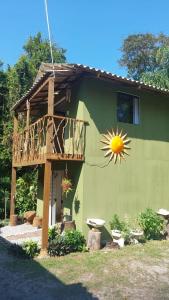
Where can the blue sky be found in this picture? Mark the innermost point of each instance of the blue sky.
(92, 31)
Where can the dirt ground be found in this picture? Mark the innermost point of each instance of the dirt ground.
(135, 272)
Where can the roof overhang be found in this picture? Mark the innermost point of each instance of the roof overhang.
(66, 73)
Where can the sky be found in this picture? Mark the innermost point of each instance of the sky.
(92, 31)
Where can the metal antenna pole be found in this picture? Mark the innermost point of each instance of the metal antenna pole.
(49, 34)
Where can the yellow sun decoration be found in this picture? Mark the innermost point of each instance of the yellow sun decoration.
(116, 145)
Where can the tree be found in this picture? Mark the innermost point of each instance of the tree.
(4, 153)
(14, 82)
(139, 53)
(160, 77)
(22, 74)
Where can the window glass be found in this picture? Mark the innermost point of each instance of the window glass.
(127, 108)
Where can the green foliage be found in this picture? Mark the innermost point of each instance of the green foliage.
(160, 77)
(70, 241)
(58, 246)
(52, 233)
(75, 240)
(23, 73)
(151, 224)
(28, 249)
(117, 224)
(26, 192)
(139, 53)
(31, 248)
(4, 223)
(14, 82)
(37, 51)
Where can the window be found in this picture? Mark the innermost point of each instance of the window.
(127, 108)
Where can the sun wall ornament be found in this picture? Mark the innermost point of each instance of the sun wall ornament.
(116, 145)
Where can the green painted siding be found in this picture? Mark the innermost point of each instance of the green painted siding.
(139, 182)
(142, 181)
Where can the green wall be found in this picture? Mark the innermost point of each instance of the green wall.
(139, 182)
(142, 181)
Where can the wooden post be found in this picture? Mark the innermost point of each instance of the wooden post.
(46, 198)
(13, 177)
(26, 153)
(47, 172)
(49, 135)
(13, 190)
(27, 114)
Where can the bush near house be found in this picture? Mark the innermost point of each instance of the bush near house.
(148, 221)
(151, 224)
(67, 242)
(26, 193)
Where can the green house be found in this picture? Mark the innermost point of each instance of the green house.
(67, 111)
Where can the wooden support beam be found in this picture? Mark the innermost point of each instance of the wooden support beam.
(27, 114)
(39, 89)
(15, 124)
(46, 198)
(13, 191)
(47, 171)
(13, 177)
(51, 96)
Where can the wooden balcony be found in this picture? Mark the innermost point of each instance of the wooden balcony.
(50, 137)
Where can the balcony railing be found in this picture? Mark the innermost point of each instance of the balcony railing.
(51, 137)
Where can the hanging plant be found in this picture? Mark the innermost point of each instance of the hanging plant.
(66, 186)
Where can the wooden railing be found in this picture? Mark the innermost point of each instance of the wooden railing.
(51, 137)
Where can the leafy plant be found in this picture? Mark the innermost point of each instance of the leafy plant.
(58, 246)
(151, 224)
(70, 241)
(52, 233)
(75, 240)
(26, 192)
(31, 248)
(117, 224)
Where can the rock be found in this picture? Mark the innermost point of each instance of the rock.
(37, 222)
(29, 216)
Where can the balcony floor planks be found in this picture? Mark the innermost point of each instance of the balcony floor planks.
(54, 157)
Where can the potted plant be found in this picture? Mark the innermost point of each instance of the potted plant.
(66, 186)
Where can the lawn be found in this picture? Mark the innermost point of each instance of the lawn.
(135, 272)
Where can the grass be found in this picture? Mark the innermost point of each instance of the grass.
(134, 272)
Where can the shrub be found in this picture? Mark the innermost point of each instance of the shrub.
(75, 240)
(117, 224)
(4, 223)
(151, 224)
(52, 233)
(26, 192)
(31, 248)
(58, 246)
(28, 249)
(70, 241)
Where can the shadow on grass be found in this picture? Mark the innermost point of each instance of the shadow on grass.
(27, 279)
